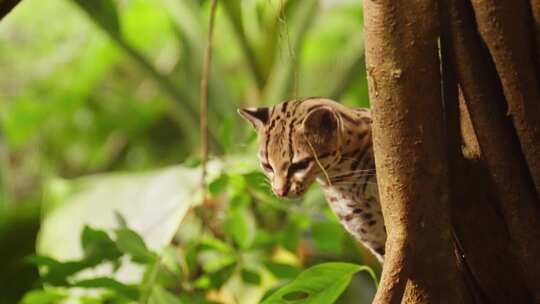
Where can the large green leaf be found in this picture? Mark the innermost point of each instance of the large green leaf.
(105, 15)
(103, 12)
(233, 8)
(186, 16)
(153, 204)
(320, 284)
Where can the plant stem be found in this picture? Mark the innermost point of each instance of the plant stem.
(204, 97)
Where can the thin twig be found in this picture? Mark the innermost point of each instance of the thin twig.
(204, 98)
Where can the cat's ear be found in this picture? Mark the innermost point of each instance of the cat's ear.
(258, 117)
(322, 121)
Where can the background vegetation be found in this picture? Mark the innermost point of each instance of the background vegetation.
(99, 147)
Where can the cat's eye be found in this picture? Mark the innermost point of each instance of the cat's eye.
(267, 167)
(299, 166)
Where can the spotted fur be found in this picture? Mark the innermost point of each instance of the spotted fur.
(317, 139)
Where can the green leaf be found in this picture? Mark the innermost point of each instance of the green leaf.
(290, 237)
(98, 246)
(218, 278)
(129, 242)
(103, 12)
(42, 297)
(170, 259)
(161, 296)
(240, 200)
(328, 236)
(240, 225)
(187, 18)
(154, 202)
(120, 219)
(212, 261)
(41, 260)
(218, 185)
(282, 79)
(351, 69)
(320, 284)
(257, 180)
(57, 273)
(226, 133)
(282, 271)
(237, 183)
(233, 9)
(251, 277)
(210, 242)
(130, 292)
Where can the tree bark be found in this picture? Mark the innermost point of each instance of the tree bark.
(517, 200)
(458, 169)
(408, 130)
(535, 8)
(505, 27)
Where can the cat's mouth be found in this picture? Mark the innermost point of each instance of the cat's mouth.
(292, 195)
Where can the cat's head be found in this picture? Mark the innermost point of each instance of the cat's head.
(296, 139)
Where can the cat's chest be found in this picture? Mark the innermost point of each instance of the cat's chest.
(360, 213)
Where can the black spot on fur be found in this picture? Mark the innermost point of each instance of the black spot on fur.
(367, 216)
(348, 217)
(372, 222)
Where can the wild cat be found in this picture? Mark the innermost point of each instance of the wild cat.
(317, 139)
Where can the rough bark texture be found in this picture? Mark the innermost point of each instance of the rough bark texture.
(6, 6)
(409, 148)
(505, 26)
(458, 169)
(482, 90)
(535, 8)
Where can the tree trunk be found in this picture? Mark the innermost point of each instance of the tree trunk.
(458, 168)
(408, 131)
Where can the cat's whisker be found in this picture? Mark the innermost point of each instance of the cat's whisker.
(352, 173)
(349, 158)
(353, 183)
(356, 171)
(349, 176)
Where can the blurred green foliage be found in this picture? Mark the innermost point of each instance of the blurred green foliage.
(91, 87)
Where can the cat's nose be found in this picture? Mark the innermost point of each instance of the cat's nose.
(281, 191)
